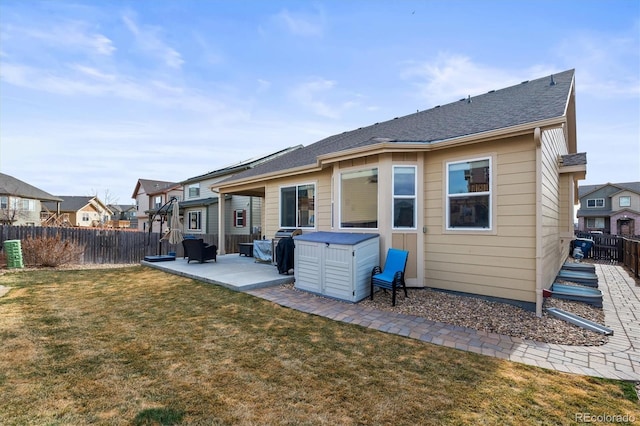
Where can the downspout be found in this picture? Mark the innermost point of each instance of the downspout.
(539, 284)
(221, 222)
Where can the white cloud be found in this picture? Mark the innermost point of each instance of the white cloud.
(306, 25)
(316, 95)
(607, 65)
(450, 77)
(65, 36)
(148, 39)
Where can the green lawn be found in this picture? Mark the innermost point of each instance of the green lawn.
(136, 346)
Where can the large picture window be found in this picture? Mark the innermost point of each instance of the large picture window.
(359, 199)
(297, 206)
(469, 194)
(404, 196)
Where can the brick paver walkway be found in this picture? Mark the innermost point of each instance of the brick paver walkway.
(618, 359)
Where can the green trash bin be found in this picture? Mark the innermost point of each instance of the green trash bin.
(13, 252)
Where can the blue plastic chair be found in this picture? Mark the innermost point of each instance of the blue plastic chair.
(393, 275)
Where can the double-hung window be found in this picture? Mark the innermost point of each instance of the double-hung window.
(28, 205)
(469, 194)
(194, 190)
(297, 206)
(239, 218)
(404, 197)
(359, 199)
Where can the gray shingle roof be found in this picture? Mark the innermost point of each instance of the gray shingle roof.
(15, 187)
(528, 102)
(156, 186)
(587, 189)
(579, 159)
(70, 203)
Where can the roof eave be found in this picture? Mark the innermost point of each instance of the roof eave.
(398, 146)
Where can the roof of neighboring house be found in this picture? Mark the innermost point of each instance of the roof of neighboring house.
(117, 208)
(584, 190)
(74, 203)
(152, 187)
(15, 187)
(528, 102)
(238, 167)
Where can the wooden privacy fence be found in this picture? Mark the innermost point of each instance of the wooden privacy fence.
(105, 246)
(605, 247)
(615, 248)
(631, 250)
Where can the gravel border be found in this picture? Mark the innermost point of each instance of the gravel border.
(495, 317)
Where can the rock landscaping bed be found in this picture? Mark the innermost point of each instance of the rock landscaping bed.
(495, 317)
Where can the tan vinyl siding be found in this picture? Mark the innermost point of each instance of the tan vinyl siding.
(553, 146)
(499, 262)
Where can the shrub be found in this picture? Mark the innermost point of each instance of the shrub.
(50, 251)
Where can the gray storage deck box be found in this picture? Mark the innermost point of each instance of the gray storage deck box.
(336, 264)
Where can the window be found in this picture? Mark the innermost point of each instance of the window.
(238, 218)
(595, 222)
(157, 203)
(194, 221)
(297, 206)
(4, 202)
(625, 201)
(359, 199)
(404, 196)
(85, 217)
(28, 205)
(194, 190)
(595, 203)
(469, 194)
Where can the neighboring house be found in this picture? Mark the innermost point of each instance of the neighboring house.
(243, 214)
(150, 196)
(82, 211)
(124, 216)
(20, 203)
(479, 191)
(612, 208)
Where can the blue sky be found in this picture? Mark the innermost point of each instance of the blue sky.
(96, 94)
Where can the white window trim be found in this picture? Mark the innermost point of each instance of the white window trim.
(413, 197)
(236, 217)
(189, 229)
(351, 170)
(315, 203)
(627, 198)
(195, 186)
(595, 202)
(447, 196)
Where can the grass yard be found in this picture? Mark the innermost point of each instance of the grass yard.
(137, 346)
